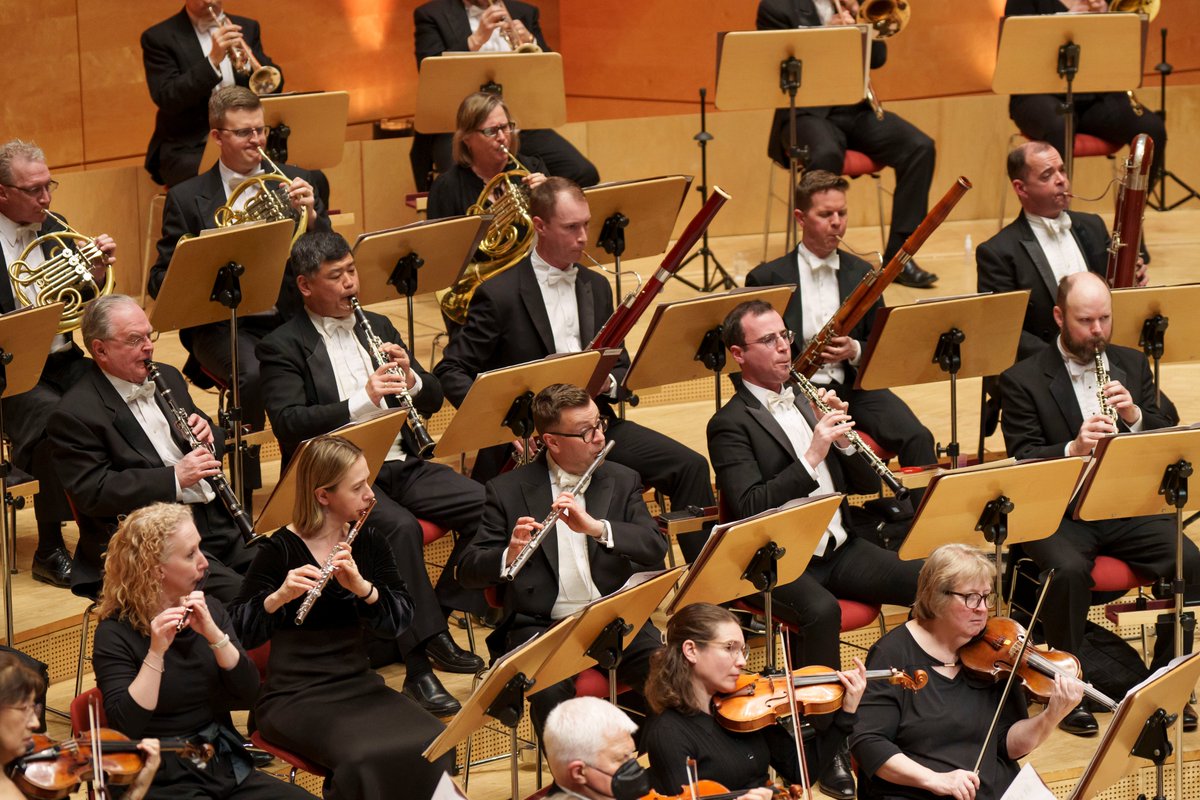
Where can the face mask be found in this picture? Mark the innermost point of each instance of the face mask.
(629, 782)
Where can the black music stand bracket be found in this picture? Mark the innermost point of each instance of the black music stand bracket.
(607, 649)
(711, 353)
(509, 705)
(1174, 486)
(1153, 744)
(763, 574)
(277, 142)
(404, 278)
(1068, 66)
(1151, 340)
(491, 87)
(948, 356)
(790, 71)
(993, 523)
(519, 418)
(227, 290)
(612, 238)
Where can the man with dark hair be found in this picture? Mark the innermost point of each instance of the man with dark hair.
(826, 132)
(824, 276)
(317, 375)
(547, 304)
(26, 189)
(768, 447)
(603, 535)
(187, 59)
(1051, 409)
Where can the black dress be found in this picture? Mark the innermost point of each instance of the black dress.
(941, 727)
(458, 188)
(194, 699)
(321, 699)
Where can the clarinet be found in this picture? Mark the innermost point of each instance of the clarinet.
(327, 569)
(218, 482)
(379, 358)
(1101, 381)
(809, 390)
(510, 572)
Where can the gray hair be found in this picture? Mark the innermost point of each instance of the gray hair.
(97, 318)
(579, 728)
(10, 151)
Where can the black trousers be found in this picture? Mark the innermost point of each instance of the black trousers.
(430, 150)
(894, 141)
(889, 421)
(176, 780)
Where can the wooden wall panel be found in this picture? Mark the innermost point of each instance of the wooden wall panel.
(106, 201)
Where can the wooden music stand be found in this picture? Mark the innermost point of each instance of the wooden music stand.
(967, 337)
(684, 342)
(1140, 318)
(1002, 505)
(25, 338)
(757, 554)
(496, 409)
(315, 124)
(373, 436)
(531, 84)
(792, 69)
(1044, 54)
(440, 248)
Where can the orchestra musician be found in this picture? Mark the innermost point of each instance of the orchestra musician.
(924, 744)
(604, 535)
(26, 191)
(827, 131)
(116, 450)
(705, 655)
(824, 276)
(486, 26)
(321, 698)
(1051, 408)
(590, 751)
(161, 680)
(186, 58)
(548, 303)
(318, 375)
(768, 447)
(484, 137)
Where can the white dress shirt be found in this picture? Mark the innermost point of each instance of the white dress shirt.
(203, 29)
(576, 588)
(230, 180)
(495, 44)
(820, 298)
(1060, 247)
(562, 307)
(1083, 381)
(14, 238)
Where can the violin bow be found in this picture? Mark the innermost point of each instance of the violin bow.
(99, 786)
(1012, 674)
(693, 777)
(797, 737)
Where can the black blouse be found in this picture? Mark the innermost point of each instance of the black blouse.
(459, 187)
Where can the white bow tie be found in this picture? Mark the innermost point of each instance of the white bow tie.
(236, 180)
(334, 324)
(142, 391)
(29, 231)
(1077, 370)
(778, 400)
(556, 276)
(1060, 226)
(566, 481)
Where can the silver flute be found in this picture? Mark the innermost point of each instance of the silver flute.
(510, 572)
(404, 400)
(1102, 380)
(809, 390)
(218, 482)
(327, 569)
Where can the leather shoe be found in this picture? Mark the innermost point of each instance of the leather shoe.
(836, 779)
(915, 277)
(1189, 718)
(429, 693)
(445, 654)
(1079, 722)
(260, 757)
(53, 569)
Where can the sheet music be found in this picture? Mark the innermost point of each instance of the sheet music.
(1028, 785)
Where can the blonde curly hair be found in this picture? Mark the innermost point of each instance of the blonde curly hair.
(131, 588)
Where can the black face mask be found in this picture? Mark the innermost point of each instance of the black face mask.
(630, 781)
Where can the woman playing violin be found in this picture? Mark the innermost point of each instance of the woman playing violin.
(925, 744)
(704, 655)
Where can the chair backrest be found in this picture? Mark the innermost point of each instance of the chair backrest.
(260, 656)
(79, 710)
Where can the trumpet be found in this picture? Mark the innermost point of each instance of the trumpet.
(510, 572)
(379, 358)
(509, 34)
(327, 567)
(1102, 380)
(262, 80)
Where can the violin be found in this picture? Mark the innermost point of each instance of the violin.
(53, 770)
(712, 790)
(758, 700)
(993, 652)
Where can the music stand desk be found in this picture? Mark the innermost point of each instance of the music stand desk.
(26, 334)
(318, 123)
(1132, 307)
(531, 84)
(834, 64)
(444, 245)
(1027, 55)
(651, 205)
(1127, 470)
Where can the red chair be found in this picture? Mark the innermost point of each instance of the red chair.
(1086, 146)
(260, 655)
(80, 720)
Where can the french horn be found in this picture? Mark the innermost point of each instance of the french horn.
(64, 277)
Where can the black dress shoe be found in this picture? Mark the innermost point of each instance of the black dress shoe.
(260, 757)
(836, 779)
(54, 568)
(915, 277)
(446, 655)
(1189, 718)
(1079, 722)
(429, 693)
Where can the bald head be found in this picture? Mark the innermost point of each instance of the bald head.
(1083, 311)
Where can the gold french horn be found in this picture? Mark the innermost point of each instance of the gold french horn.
(64, 277)
(270, 204)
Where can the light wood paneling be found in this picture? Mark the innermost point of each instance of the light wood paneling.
(106, 201)
(389, 179)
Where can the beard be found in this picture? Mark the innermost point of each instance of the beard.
(1084, 349)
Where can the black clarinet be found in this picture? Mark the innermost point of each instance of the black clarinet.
(218, 482)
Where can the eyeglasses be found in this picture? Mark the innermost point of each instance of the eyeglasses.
(137, 340)
(35, 191)
(772, 339)
(34, 709)
(972, 599)
(588, 435)
(731, 647)
(493, 131)
(245, 133)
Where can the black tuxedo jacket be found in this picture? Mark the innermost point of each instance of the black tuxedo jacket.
(507, 324)
(300, 389)
(181, 79)
(107, 463)
(1013, 260)
(757, 468)
(615, 494)
(442, 25)
(1041, 413)
(1016, 8)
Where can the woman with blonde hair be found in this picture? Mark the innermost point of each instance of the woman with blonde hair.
(321, 698)
(167, 660)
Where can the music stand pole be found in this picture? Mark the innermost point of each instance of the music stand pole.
(712, 354)
(404, 278)
(1162, 174)
(763, 573)
(1068, 66)
(6, 555)
(948, 356)
(790, 70)
(227, 290)
(724, 281)
(1174, 489)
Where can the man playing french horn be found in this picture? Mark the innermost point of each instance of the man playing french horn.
(26, 189)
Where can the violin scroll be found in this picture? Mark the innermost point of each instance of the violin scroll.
(912, 683)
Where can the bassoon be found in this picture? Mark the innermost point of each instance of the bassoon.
(1126, 240)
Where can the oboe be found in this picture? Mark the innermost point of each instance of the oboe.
(510, 572)
(809, 390)
(379, 358)
(1101, 381)
(327, 568)
(218, 482)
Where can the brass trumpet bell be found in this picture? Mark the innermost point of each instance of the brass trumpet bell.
(885, 17)
(1148, 7)
(64, 277)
